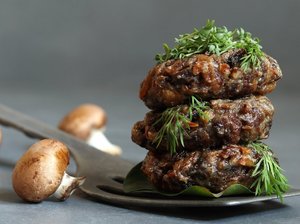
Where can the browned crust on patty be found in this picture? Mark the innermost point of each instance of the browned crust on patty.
(230, 122)
(214, 169)
(207, 76)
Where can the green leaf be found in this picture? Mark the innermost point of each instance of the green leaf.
(136, 182)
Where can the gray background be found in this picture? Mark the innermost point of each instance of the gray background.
(55, 55)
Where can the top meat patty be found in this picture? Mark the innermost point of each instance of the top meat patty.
(209, 77)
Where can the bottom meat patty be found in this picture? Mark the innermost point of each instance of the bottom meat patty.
(213, 169)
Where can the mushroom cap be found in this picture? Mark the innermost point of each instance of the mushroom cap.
(82, 120)
(39, 172)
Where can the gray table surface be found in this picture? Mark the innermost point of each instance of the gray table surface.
(56, 55)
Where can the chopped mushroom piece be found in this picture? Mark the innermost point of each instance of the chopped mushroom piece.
(41, 172)
(87, 122)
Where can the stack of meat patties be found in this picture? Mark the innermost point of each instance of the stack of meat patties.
(212, 150)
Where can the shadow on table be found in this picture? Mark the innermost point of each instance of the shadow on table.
(207, 213)
(216, 213)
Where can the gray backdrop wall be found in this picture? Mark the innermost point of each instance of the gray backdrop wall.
(55, 55)
(64, 43)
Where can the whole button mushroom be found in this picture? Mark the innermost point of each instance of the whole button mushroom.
(87, 122)
(41, 172)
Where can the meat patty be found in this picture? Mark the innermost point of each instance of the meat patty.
(207, 76)
(214, 169)
(230, 122)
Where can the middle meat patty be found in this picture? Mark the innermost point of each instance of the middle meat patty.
(227, 122)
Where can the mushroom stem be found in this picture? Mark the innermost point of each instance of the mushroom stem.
(67, 186)
(98, 140)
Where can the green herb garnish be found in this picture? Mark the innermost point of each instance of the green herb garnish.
(268, 173)
(215, 40)
(174, 123)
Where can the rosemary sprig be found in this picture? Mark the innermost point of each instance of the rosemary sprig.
(215, 40)
(174, 123)
(269, 175)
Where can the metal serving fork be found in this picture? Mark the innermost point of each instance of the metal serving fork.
(105, 173)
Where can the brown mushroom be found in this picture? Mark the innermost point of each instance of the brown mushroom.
(41, 172)
(87, 122)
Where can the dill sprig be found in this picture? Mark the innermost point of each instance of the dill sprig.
(215, 40)
(269, 175)
(173, 128)
(174, 123)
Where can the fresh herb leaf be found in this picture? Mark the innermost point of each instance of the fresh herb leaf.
(198, 106)
(174, 123)
(268, 173)
(172, 129)
(215, 40)
(252, 47)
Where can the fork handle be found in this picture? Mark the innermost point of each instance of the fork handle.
(81, 152)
